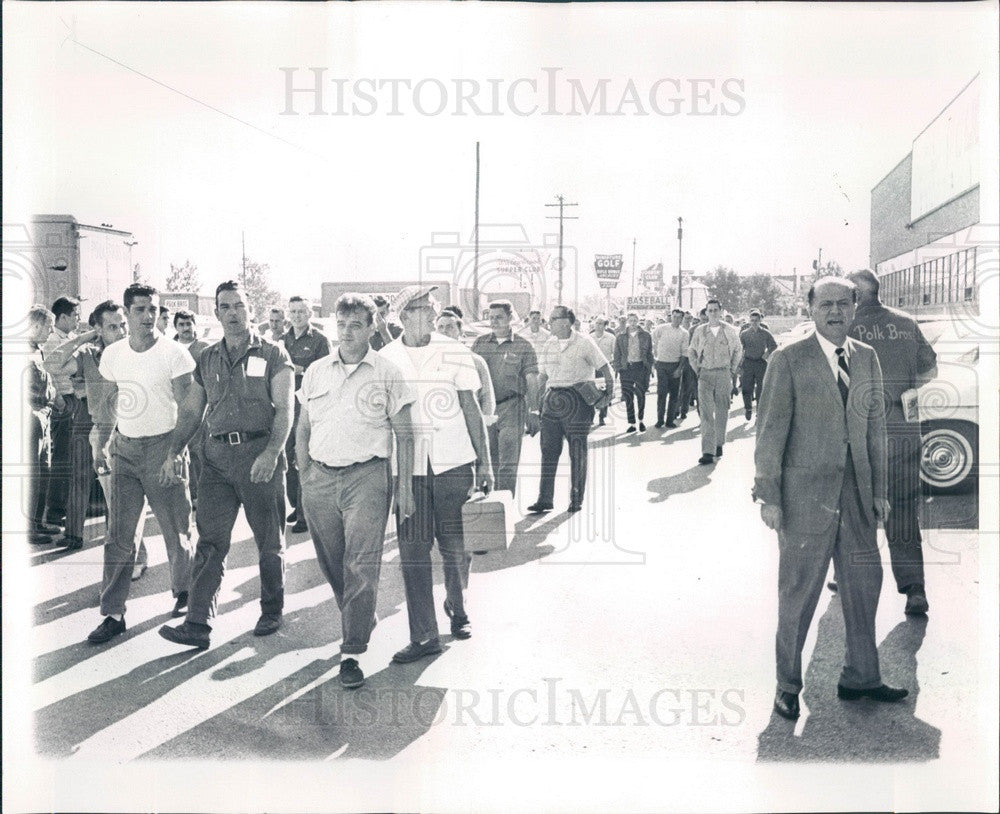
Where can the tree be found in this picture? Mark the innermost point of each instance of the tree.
(831, 268)
(257, 285)
(760, 291)
(726, 286)
(183, 278)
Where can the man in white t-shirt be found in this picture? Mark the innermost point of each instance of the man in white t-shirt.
(150, 376)
(451, 458)
(534, 332)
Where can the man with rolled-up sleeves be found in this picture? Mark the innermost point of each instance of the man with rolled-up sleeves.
(246, 383)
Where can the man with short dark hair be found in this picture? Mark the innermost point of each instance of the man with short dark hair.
(243, 390)
(187, 333)
(605, 341)
(714, 355)
(513, 369)
(275, 325)
(449, 323)
(64, 411)
(41, 395)
(758, 344)
(304, 344)
(353, 402)
(821, 479)
(385, 331)
(149, 378)
(908, 362)
(670, 345)
(634, 362)
(568, 400)
(534, 332)
(163, 321)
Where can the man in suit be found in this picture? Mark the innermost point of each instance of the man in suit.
(633, 360)
(821, 472)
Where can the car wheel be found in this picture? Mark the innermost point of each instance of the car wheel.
(949, 456)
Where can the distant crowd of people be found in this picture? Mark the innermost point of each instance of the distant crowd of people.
(404, 414)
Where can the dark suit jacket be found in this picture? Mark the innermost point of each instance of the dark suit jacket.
(803, 432)
(645, 350)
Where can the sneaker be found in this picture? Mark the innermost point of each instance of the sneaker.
(916, 600)
(267, 624)
(351, 676)
(107, 630)
(417, 650)
(69, 542)
(180, 606)
(189, 634)
(642, 427)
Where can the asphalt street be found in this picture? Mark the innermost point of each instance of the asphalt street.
(633, 641)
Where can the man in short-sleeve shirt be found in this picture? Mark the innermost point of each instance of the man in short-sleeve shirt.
(151, 376)
(758, 344)
(353, 401)
(246, 383)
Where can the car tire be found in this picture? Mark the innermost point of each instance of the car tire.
(949, 456)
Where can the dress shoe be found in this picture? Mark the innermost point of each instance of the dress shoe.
(417, 650)
(107, 630)
(631, 428)
(706, 459)
(748, 414)
(138, 570)
(180, 606)
(642, 427)
(832, 586)
(659, 425)
(601, 422)
(786, 704)
(292, 517)
(574, 507)
(36, 538)
(267, 624)
(299, 527)
(55, 520)
(69, 542)
(460, 627)
(916, 600)
(718, 452)
(189, 634)
(670, 425)
(44, 528)
(351, 676)
(539, 507)
(879, 693)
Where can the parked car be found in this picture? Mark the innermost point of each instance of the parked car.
(948, 408)
(800, 331)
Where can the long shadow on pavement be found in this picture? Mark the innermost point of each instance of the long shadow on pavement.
(688, 481)
(856, 731)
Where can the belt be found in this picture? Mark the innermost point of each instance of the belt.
(234, 438)
(329, 468)
(509, 398)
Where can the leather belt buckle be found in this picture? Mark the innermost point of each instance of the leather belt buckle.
(233, 438)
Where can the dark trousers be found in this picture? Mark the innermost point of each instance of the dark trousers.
(59, 474)
(505, 437)
(293, 488)
(81, 479)
(225, 486)
(635, 382)
(38, 452)
(194, 450)
(751, 380)
(667, 387)
(603, 412)
(565, 415)
(902, 528)
(438, 515)
(688, 390)
(347, 509)
(802, 567)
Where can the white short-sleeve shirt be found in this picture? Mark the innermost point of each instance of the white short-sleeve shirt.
(145, 404)
(436, 372)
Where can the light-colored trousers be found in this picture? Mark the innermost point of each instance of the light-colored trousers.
(715, 388)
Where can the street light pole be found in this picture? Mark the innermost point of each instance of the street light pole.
(131, 268)
(633, 268)
(561, 217)
(680, 240)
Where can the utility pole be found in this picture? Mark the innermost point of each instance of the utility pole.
(680, 243)
(243, 278)
(561, 204)
(131, 268)
(818, 265)
(475, 260)
(633, 268)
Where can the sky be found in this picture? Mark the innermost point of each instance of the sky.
(167, 120)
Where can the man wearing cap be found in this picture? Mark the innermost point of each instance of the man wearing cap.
(758, 344)
(304, 345)
(670, 345)
(246, 383)
(633, 360)
(908, 362)
(566, 381)
(714, 355)
(821, 479)
(353, 402)
(67, 406)
(605, 340)
(513, 368)
(385, 331)
(451, 459)
(150, 377)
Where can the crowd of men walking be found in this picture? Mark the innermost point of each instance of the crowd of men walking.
(400, 416)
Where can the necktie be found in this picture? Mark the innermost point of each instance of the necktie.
(843, 374)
